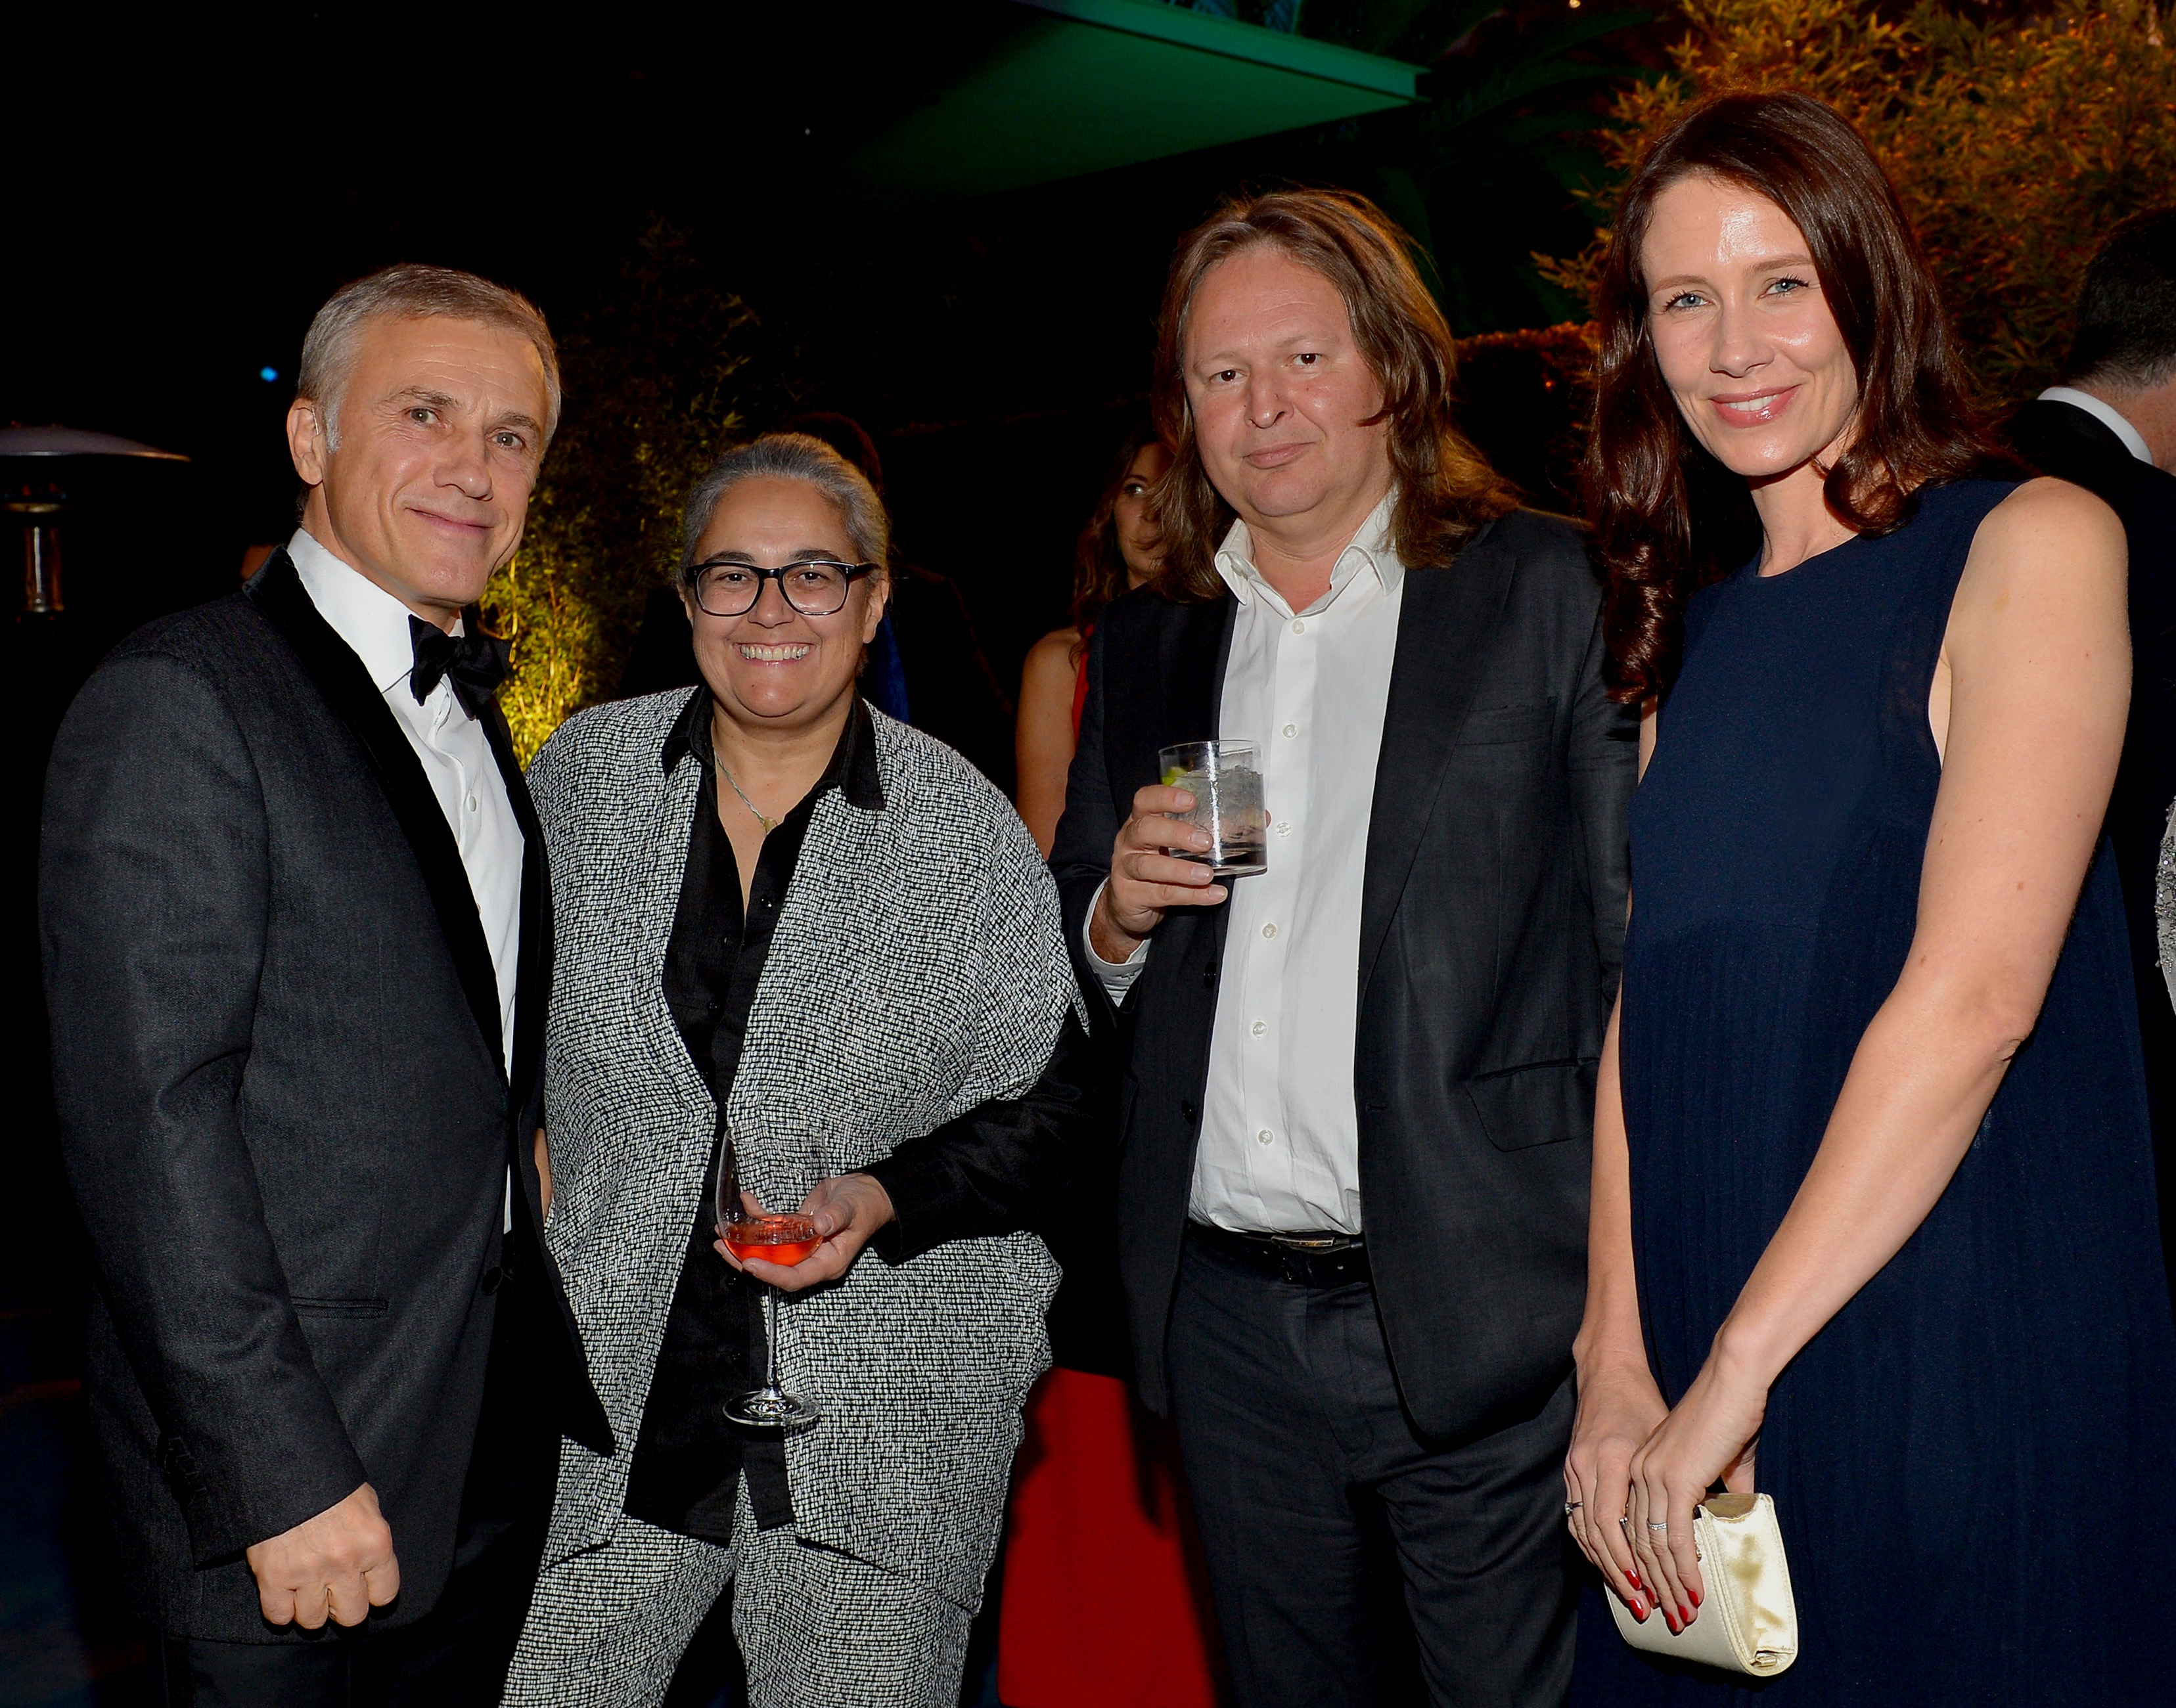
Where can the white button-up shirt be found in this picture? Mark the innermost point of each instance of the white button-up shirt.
(2106, 414)
(450, 744)
(1280, 1148)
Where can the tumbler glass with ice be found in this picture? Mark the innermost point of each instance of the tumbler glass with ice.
(1224, 779)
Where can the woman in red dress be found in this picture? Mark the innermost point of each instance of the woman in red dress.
(1102, 1607)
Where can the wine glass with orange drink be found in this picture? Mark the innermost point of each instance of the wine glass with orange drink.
(782, 1237)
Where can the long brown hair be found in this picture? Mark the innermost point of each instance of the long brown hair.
(1446, 489)
(1100, 574)
(1668, 518)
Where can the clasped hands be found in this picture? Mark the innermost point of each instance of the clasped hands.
(1637, 1469)
(848, 1209)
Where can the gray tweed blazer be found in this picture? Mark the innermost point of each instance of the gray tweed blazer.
(916, 971)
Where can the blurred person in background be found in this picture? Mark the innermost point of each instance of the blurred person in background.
(1118, 550)
(1102, 1605)
(789, 920)
(296, 928)
(2110, 427)
(926, 667)
(1872, 1221)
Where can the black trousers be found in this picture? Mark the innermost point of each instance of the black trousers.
(1316, 1500)
(456, 1655)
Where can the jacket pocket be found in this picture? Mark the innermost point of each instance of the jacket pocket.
(1542, 1103)
(1500, 725)
(339, 1308)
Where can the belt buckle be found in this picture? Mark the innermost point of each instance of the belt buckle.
(1323, 1245)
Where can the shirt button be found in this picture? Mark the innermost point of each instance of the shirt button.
(1271, 929)
(472, 803)
(1292, 729)
(1265, 1137)
(1298, 627)
(1259, 1027)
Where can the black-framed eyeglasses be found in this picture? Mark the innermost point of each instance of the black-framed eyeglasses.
(814, 586)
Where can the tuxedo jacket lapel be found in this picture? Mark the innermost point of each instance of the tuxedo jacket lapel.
(1446, 624)
(277, 591)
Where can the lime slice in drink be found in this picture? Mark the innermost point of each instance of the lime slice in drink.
(1172, 774)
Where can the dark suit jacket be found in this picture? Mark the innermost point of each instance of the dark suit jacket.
(1490, 935)
(283, 1101)
(2059, 438)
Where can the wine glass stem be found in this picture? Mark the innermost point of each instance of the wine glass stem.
(770, 1338)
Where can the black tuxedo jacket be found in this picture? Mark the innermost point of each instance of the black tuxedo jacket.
(1490, 935)
(2060, 439)
(283, 1101)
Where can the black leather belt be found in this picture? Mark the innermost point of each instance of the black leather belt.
(1304, 1259)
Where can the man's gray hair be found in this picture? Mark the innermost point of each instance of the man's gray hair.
(413, 291)
(789, 457)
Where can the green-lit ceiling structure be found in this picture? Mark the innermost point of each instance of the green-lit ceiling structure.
(1066, 87)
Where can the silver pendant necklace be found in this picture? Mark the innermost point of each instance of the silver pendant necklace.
(762, 818)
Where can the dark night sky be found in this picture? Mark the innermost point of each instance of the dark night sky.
(186, 193)
(184, 204)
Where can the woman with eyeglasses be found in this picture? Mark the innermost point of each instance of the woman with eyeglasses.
(787, 923)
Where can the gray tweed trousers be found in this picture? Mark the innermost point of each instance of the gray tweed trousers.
(818, 1629)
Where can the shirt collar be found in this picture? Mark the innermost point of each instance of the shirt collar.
(371, 622)
(1370, 549)
(2105, 413)
(853, 770)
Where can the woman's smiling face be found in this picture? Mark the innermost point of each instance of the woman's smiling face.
(772, 666)
(1745, 338)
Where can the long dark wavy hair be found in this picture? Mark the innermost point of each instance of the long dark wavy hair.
(1446, 489)
(1668, 518)
(1100, 574)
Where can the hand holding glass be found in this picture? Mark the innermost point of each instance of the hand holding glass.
(785, 1239)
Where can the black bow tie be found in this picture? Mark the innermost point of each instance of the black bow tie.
(475, 664)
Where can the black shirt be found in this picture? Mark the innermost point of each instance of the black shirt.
(1002, 1167)
(688, 1457)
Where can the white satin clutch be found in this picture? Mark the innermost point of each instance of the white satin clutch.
(1749, 1622)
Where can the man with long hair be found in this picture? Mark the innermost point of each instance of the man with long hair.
(1358, 1086)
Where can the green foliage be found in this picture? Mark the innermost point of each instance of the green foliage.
(650, 401)
(2016, 142)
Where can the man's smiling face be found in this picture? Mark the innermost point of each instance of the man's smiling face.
(425, 485)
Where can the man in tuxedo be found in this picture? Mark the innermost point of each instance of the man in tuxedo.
(1358, 1088)
(2111, 427)
(297, 933)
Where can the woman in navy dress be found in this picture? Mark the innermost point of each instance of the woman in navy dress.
(1873, 1215)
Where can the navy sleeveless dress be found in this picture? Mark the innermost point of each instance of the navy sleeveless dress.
(1974, 1463)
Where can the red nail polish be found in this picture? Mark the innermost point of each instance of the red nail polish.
(1675, 1627)
(1640, 1611)
(1633, 1579)
(1694, 1593)
(1683, 1617)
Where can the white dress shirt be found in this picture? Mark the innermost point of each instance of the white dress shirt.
(451, 745)
(1280, 1148)
(2106, 414)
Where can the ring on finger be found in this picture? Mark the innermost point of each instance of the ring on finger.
(1572, 1506)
